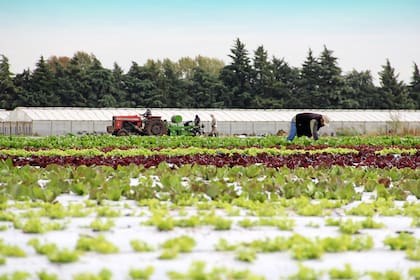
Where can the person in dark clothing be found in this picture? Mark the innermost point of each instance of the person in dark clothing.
(307, 124)
(197, 120)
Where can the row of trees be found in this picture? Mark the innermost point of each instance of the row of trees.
(248, 81)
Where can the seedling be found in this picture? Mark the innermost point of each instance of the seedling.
(403, 241)
(183, 244)
(413, 254)
(17, 275)
(104, 274)
(101, 225)
(98, 244)
(414, 272)
(142, 273)
(305, 273)
(141, 246)
(168, 254)
(223, 245)
(43, 249)
(47, 276)
(370, 223)
(192, 221)
(11, 250)
(350, 227)
(246, 254)
(247, 223)
(346, 273)
(285, 224)
(304, 249)
(220, 223)
(63, 256)
(387, 275)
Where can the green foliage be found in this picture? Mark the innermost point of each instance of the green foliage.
(104, 274)
(63, 256)
(11, 250)
(302, 248)
(346, 273)
(141, 246)
(350, 227)
(414, 253)
(403, 241)
(223, 245)
(305, 273)
(414, 272)
(16, 275)
(43, 249)
(98, 244)
(42, 275)
(141, 273)
(245, 254)
(101, 225)
(183, 244)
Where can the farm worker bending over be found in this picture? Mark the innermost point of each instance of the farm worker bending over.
(307, 124)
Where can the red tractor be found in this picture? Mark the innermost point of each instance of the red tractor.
(129, 125)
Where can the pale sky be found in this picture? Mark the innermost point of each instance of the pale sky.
(362, 34)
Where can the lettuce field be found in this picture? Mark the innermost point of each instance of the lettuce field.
(103, 207)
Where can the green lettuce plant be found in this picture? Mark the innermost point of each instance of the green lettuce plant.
(141, 246)
(97, 244)
(346, 273)
(63, 256)
(104, 274)
(141, 273)
(43, 275)
(246, 254)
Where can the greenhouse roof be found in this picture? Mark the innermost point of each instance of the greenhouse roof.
(27, 114)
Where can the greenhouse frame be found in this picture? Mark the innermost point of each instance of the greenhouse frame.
(45, 121)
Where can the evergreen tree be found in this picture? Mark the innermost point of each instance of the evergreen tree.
(204, 90)
(22, 82)
(330, 81)
(100, 86)
(172, 86)
(359, 92)
(120, 95)
(41, 90)
(8, 91)
(237, 77)
(393, 92)
(309, 95)
(414, 88)
(284, 85)
(262, 79)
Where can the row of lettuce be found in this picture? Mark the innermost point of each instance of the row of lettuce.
(177, 183)
(88, 141)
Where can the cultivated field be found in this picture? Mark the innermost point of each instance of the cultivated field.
(102, 207)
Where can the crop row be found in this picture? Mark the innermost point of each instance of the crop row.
(252, 151)
(291, 161)
(168, 182)
(184, 141)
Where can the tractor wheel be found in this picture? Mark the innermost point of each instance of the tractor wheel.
(122, 132)
(155, 127)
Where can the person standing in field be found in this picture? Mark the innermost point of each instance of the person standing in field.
(307, 124)
(213, 131)
(197, 121)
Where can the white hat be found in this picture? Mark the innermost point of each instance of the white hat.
(326, 120)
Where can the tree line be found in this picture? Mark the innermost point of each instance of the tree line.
(250, 80)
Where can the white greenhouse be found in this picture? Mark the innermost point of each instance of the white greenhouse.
(60, 121)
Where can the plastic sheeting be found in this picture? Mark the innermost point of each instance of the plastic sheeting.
(59, 121)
